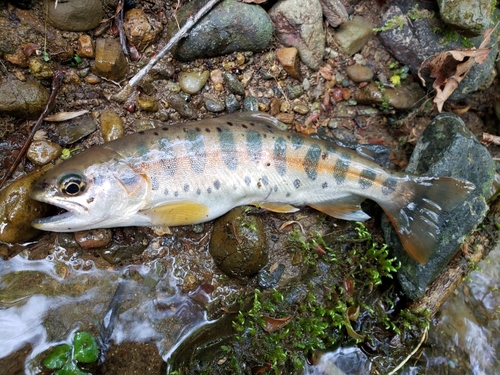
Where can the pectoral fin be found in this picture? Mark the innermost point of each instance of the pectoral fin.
(182, 213)
(347, 208)
(278, 207)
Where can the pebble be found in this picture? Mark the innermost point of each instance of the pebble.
(18, 210)
(193, 82)
(358, 73)
(140, 30)
(401, 97)
(299, 23)
(289, 59)
(232, 103)
(246, 77)
(334, 12)
(92, 79)
(250, 103)
(177, 102)
(471, 17)
(110, 61)
(85, 46)
(40, 69)
(230, 26)
(353, 35)
(301, 109)
(111, 126)
(233, 84)
(238, 244)
(217, 79)
(76, 129)
(17, 58)
(94, 238)
(22, 99)
(147, 103)
(306, 85)
(285, 118)
(79, 15)
(43, 152)
(128, 242)
(214, 106)
(295, 91)
(163, 70)
(274, 106)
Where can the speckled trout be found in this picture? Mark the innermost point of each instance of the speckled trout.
(197, 171)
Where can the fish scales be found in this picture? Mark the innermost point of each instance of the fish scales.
(197, 171)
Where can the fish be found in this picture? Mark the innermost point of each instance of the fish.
(195, 172)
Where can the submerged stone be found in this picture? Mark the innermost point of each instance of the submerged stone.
(230, 26)
(238, 244)
(448, 149)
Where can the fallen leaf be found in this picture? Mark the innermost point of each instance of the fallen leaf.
(63, 116)
(254, 1)
(273, 324)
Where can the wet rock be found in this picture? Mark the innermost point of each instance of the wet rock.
(274, 106)
(43, 152)
(127, 243)
(412, 44)
(17, 58)
(75, 15)
(358, 73)
(142, 124)
(148, 103)
(288, 58)
(40, 69)
(23, 99)
(299, 23)
(250, 103)
(238, 244)
(94, 238)
(233, 84)
(471, 17)
(230, 26)
(111, 126)
(163, 70)
(85, 46)
(268, 279)
(446, 148)
(192, 82)
(353, 35)
(300, 109)
(178, 103)
(217, 79)
(401, 97)
(285, 118)
(76, 129)
(18, 210)
(214, 105)
(232, 103)
(295, 91)
(334, 12)
(110, 61)
(140, 30)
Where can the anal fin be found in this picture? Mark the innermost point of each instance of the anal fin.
(278, 207)
(180, 213)
(346, 208)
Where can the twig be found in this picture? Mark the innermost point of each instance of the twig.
(422, 339)
(121, 31)
(56, 85)
(175, 39)
(490, 138)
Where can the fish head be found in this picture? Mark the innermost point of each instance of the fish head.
(96, 192)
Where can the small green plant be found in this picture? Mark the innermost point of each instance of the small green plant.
(385, 106)
(65, 358)
(396, 22)
(66, 152)
(398, 74)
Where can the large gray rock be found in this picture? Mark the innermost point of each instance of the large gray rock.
(447, 148)
(412, 43)
(78, 15)
(469, 16)
(230, 26)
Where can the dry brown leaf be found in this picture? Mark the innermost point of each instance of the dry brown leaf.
(450, 68)
(273, 324)
(63, 116)
(254, 1)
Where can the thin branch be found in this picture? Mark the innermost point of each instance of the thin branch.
(422, 339)
(56, 85)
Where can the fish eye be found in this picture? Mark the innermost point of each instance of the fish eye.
(72, 184)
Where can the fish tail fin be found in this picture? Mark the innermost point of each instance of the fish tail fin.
(415, 211)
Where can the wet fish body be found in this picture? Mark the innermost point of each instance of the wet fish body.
(195, 172)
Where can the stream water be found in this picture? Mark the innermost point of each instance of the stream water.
(43, 302)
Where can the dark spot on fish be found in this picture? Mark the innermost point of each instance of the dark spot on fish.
(165, 192)
(341, 167)
(209, 190)
(155, 133)
(244, 126)
(297, 141)
(141, 132)
(176, 194)
(196, 151)
(276, 188)
(198, 191)
(90, 200)
(129, 179)
(324, 155)
(264, 180)
(228, 149)
(366, 178)
(389, 185)
(155, 183)
(324, 185)
(198, 130)
(97, 180)
(230, 123)
(268, 164)
(168, 160)
(264, 135)
(259, 185)
(164, 128)
(279, 156)
(254, 145)
(311, 160)
(296, 183)
(218, 129)
(217, 184)
(207, 130)
(248, 181)
(252, 124)
(186, 188)
(143, 150)
(287, 195)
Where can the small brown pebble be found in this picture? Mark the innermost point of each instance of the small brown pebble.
(85, 46)
(94, 238)
(286, 118)
(289, 59)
